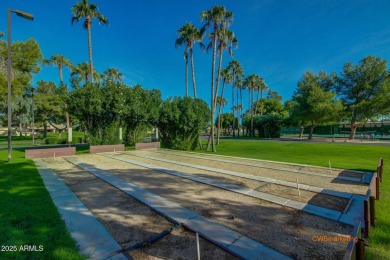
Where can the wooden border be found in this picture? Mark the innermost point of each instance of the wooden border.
(355, 250)
(106, 148)
(140, 146)
(50, 152)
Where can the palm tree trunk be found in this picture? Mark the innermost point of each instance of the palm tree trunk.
(187, 77)
(193, 72)
(60, 70)
(242, 107)
(233, 104)
(88, 20)
(257, 102)
(261, 101)
(252, 132)
(219, 113)
(212, 90)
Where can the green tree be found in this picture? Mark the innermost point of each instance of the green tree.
(215, 17)
(361, 86)
(314, 103)
(84, 10)
(181, 122)
(189, 35)
(47, 103)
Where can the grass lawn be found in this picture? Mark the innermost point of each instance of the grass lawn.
(28, 215)
(348, 156)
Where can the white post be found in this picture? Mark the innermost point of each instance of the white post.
(120, 134)
(330, 166)
(197, 245)
(299, 192)
(70, 135)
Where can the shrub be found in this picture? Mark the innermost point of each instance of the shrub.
(51, 140)
(181, 122)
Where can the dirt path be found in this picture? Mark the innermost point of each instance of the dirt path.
(314, 198)
(286, 230)
(129, 221)
(318, 181)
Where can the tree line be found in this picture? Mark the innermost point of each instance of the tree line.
(100, 103)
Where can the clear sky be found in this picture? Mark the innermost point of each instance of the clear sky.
(278, 40)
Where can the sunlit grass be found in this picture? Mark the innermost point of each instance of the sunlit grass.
(357, 157)
(28, 215)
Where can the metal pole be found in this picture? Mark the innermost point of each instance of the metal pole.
(197, 245)
(33, 123)
(9, 88)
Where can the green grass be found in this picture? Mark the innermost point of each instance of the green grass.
(28, 215)
(348, 156)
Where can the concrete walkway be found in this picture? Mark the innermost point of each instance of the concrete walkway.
(226, 238)
(91, 237)
(309, 208)
(340, 194)
(273, 168)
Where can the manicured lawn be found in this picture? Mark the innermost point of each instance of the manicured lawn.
(348, 156)
(28, 215)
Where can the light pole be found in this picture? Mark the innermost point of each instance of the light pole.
(25, 16)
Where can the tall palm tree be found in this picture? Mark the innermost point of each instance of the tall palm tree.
(220, 103)
(260, 88)
(226, 78)
(189, 35)
(88, 11)
(113, 75)
(252, 82)
(215, 17)
(59, 61)
(236, 71)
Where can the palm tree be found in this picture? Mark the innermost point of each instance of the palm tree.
(226, 78)
(252, 82)
(88, 11)
(189, 35)
(82, 71)
(220, 102)
(113, 75)
(215, 17)
(236, 71)
(260, 88)
(59, 61)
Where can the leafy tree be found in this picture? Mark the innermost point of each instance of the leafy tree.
(313, 103)
(189, 35)
(362, 88)
(181, 122)
(141, 113)
(84, 10)
(47, 103)
(215, 17)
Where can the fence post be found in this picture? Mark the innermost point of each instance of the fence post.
(366, 218)
(381, 169)
(372, 211)
(360, 249)
(377, 187)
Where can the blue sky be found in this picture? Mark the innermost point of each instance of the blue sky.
(278, 40)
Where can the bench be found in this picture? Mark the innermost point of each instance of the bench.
(106, 148)
(50, 152)
(152, 145)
